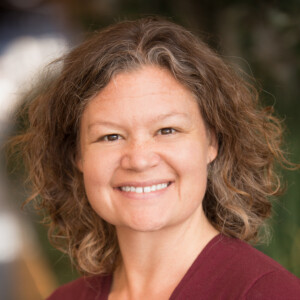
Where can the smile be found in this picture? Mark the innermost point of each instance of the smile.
(145, 189)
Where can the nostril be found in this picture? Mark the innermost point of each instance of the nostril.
(140, 160)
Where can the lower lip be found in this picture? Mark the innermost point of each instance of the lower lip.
(149, 195)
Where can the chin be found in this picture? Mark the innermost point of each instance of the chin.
(144, 225)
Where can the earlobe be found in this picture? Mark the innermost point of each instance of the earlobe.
(213, 148)
(79, 164)
(79, 159)
(212, 155)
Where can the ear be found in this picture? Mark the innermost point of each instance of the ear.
(79, 161)
(78, 157)
(79, 164)
(212, 148)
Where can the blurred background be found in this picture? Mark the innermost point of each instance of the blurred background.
(261, 37)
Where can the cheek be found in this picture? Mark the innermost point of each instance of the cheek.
(190, 158)
(97, 168)
(190, 163)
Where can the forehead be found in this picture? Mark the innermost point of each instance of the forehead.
(145, 79)
(141, 94)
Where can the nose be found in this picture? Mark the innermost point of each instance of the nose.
(139, 156)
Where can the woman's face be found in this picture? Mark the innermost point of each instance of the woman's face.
(144, 151)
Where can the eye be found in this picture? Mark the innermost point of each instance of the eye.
(110, 137)
(166, 131)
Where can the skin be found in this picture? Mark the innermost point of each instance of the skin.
(142, 129)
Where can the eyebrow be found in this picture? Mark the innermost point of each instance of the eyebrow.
(161, 117)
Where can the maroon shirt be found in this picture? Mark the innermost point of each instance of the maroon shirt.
(227, 268)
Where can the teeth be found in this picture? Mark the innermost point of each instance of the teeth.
(139, 190)
(153, 188)
(146, 189)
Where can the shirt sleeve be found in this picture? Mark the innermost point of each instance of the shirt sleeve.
(276, 285)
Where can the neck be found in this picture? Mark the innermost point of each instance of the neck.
(148, 258)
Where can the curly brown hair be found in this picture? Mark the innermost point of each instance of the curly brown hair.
(241, 179)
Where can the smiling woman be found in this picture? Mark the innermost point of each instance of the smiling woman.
(132, 175)
(155, 162)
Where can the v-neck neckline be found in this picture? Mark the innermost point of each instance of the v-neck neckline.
(107, 281)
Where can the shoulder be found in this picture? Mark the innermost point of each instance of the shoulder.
(83, 288)
(228, 268)
(254, 273)
(246, 258)
(277, 284)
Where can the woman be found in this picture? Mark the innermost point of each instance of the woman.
(155, 163)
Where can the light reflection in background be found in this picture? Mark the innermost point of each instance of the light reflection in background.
(31, 36)
(20, 60)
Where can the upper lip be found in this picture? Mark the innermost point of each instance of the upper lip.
(142, 183)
